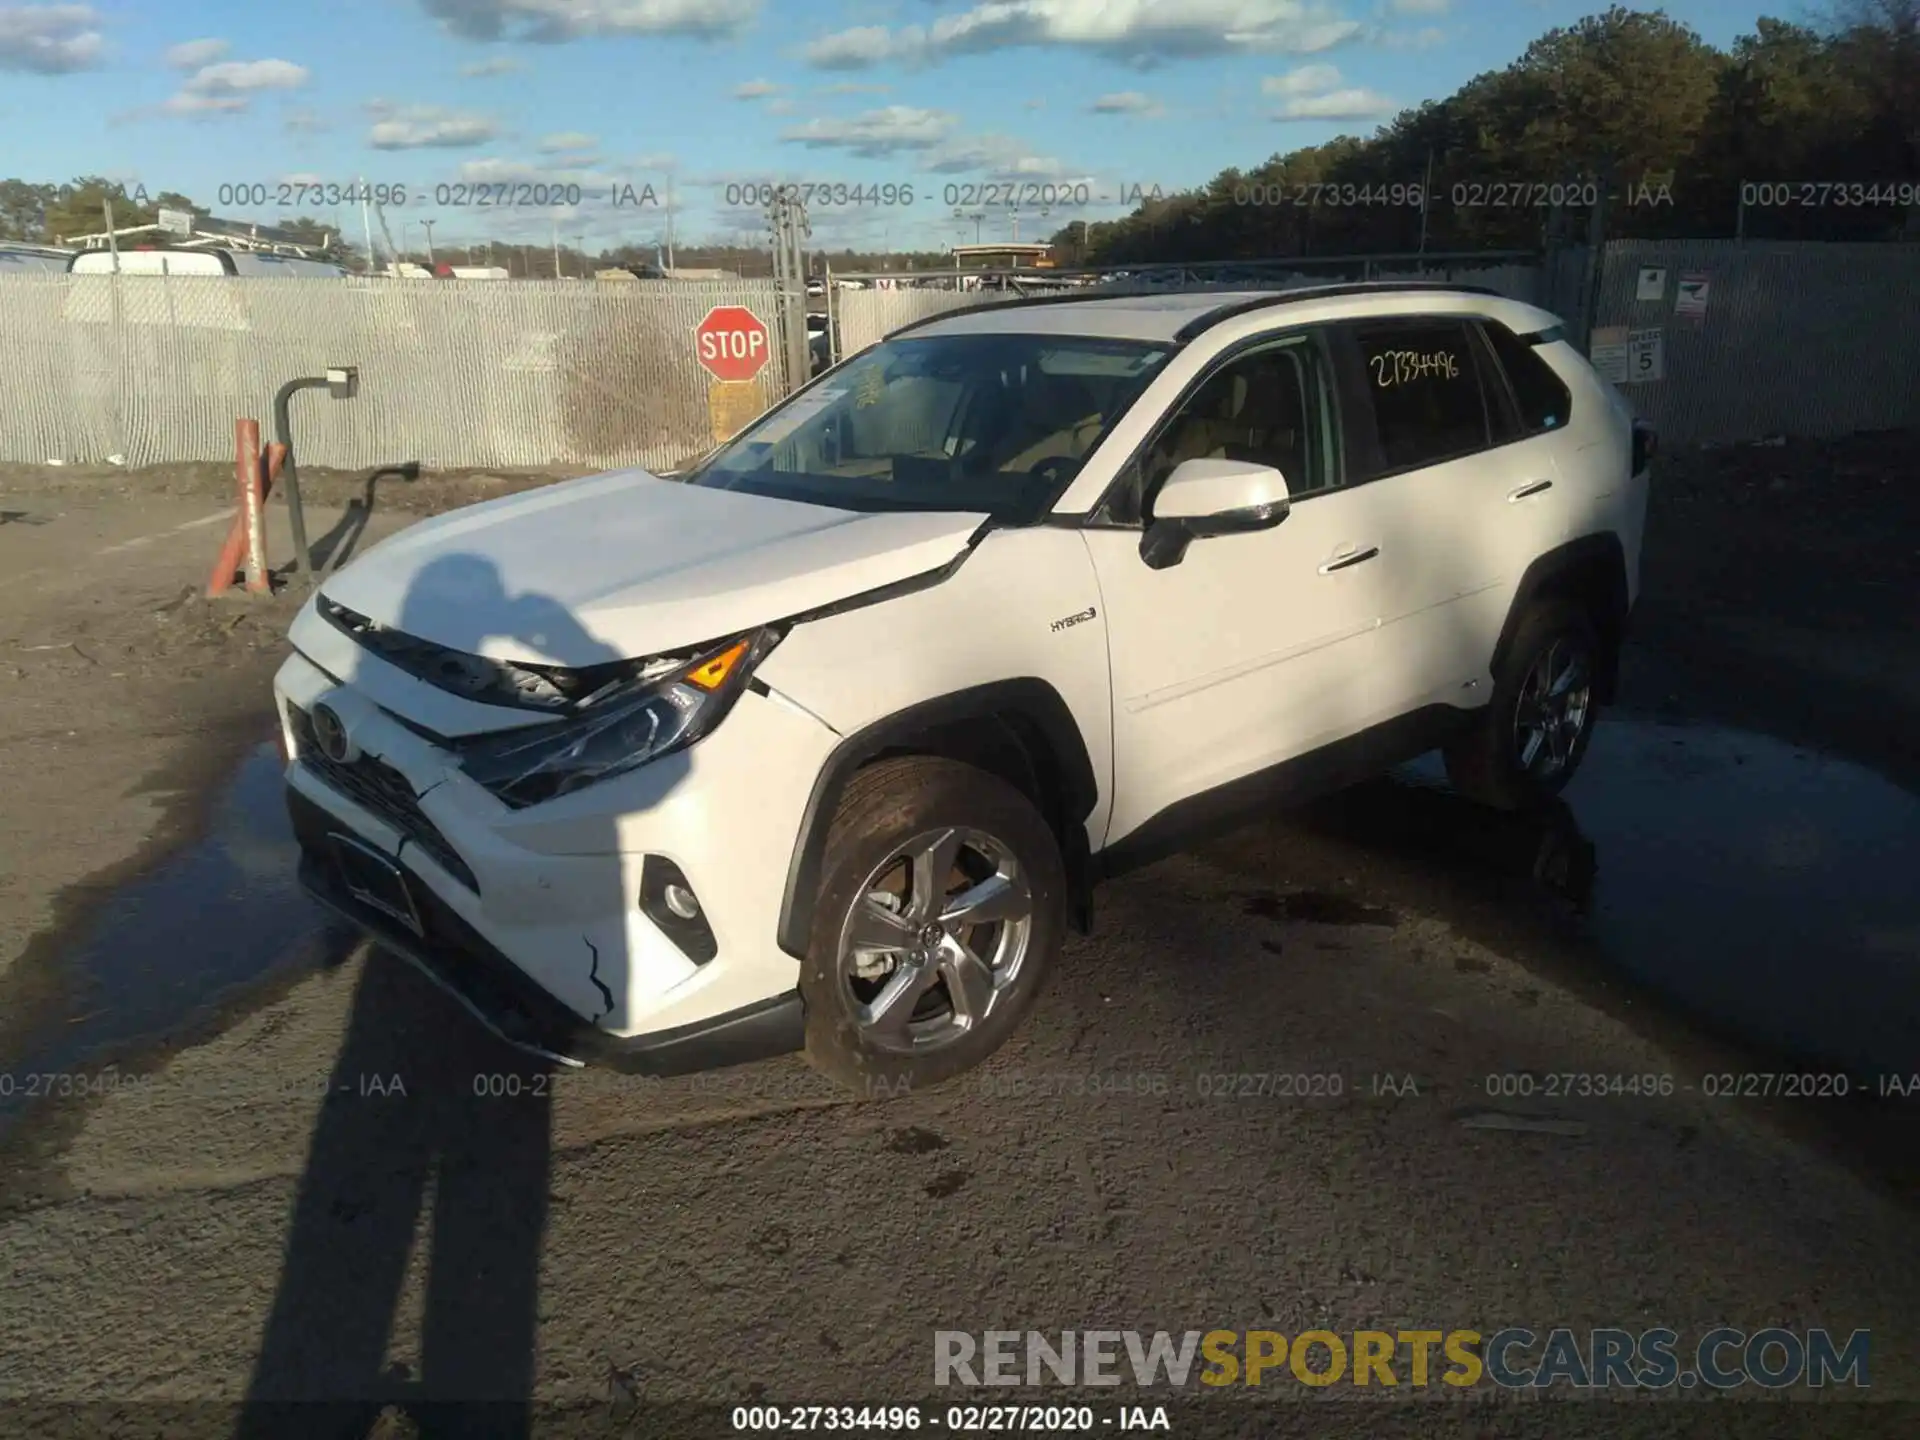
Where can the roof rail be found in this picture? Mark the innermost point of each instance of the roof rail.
(1205, 321)
(1201, 323)
(1021, 302)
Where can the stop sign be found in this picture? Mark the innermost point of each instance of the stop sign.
(732, 343)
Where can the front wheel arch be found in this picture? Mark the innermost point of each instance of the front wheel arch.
(1006, 727)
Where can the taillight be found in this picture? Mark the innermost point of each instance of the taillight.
(1646, 442)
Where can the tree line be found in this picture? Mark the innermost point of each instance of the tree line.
(1816, 127)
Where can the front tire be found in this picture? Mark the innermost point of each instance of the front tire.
(942, 905)
(1524, 747)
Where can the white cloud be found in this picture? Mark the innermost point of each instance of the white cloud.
(1142, 33)
(559, 20)
(854, 87)
(1350, 104)
(755, 90)
(998, 156)
(192, 54)
(782, 106)
(186, 104)
(1306, 80)
(876, 134)
(228, 86)
(1418, 7)
(497, 65)
(242, 77)
(568, 140)
(303, 177)
(1317, 92)
(853, 49)
(49, 39)
(423, 127)
(1126, 102)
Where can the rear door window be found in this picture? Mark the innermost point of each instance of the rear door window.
(1423, 381)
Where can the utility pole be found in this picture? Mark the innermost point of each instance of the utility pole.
(429, 228)
(556, 247)
(669, 265)
(1426, 198)
(366, 226)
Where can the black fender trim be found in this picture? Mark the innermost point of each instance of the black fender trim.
(1029, 699)
(1579, 566)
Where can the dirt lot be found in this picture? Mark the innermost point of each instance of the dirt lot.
(255, 1220)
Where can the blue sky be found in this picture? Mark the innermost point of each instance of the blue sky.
(1094, 98)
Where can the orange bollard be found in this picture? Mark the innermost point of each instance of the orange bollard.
(237, 549)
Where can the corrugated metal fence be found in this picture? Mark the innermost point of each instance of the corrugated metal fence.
(499, 373)
(1795, 338)
(1801, 338)
(862, 317)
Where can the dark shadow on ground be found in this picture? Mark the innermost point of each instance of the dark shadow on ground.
(433, 1153)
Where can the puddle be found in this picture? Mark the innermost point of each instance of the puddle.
(156, 960)
(1767, 890)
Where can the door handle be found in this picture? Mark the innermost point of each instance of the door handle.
(1534, 487)
(1350, 557)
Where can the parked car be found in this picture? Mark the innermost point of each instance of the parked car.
(819, 342)
(816, 287)
(826, 744)
(164, 260)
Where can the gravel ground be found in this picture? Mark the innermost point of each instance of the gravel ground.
(268, 1214)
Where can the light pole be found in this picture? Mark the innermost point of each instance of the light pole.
(428, 226)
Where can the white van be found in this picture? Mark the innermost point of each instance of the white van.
(179, 261)
(32, 259)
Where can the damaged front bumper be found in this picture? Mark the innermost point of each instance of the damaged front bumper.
(500, 995)
(559, 924)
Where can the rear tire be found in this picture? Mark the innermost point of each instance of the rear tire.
(1523, 748)
(943, 901)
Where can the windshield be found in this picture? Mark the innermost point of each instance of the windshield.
(993, 423)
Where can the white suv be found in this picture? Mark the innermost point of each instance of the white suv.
(823, 745)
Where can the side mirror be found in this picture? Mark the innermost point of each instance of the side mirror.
(1211, 497)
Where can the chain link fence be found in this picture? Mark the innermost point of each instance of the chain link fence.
(1784, 338)
(452, 374)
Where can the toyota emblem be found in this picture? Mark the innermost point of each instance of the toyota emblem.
(330, 733)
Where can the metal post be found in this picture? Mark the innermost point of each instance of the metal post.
(296, 512)
(119, 341)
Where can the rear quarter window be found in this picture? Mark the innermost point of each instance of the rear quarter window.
(1542, 398)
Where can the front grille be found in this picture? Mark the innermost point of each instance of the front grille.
(379, 787)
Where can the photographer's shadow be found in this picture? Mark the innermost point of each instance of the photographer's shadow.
(424, 1102)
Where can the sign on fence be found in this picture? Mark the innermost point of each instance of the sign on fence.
(176, 222)
(1652, 284)
(1627, 357)
(732, 343)
(1692, 297)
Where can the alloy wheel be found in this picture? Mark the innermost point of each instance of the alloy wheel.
(1555, 705)
(934, 939)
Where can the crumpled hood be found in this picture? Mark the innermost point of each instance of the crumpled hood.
(625, 564)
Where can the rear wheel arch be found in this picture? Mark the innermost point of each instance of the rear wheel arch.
(1590, 572)
(1018, 730)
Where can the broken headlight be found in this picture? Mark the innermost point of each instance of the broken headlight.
(656, 707)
